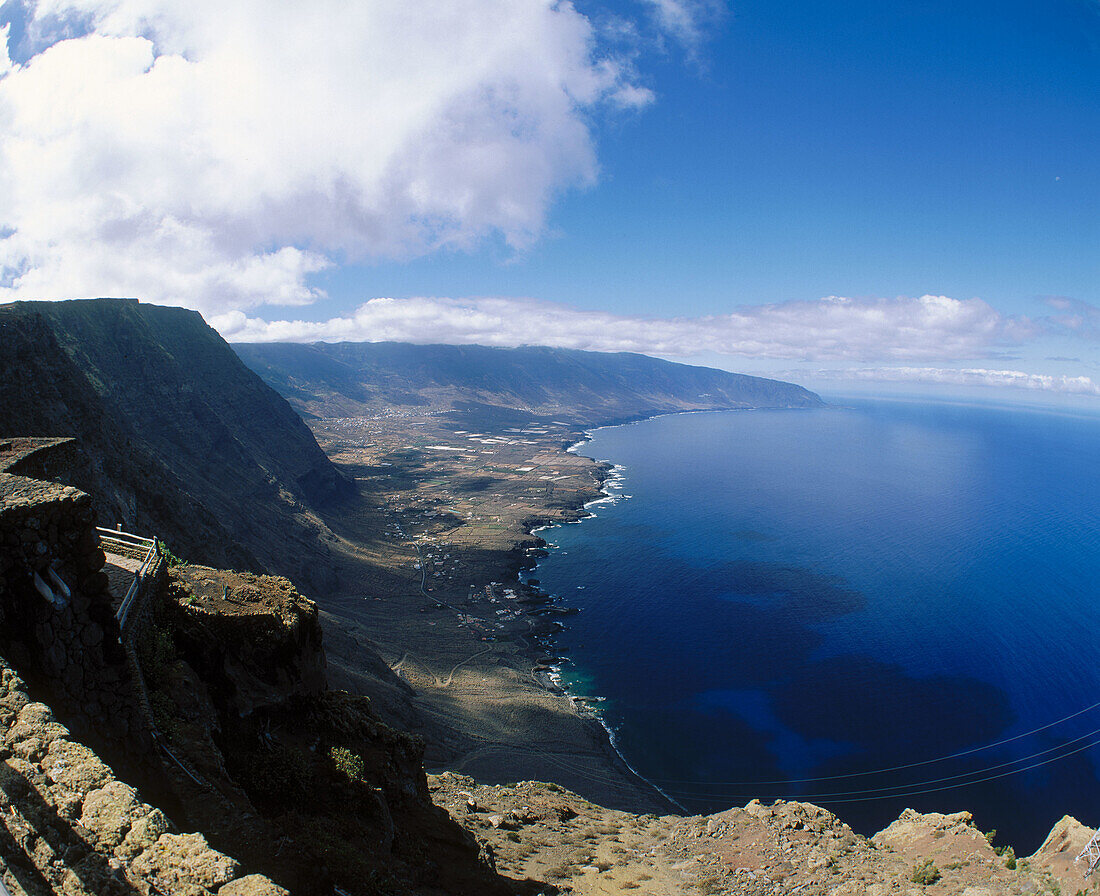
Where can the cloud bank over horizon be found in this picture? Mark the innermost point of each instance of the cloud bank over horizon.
(962, 376)
(217, 155)
(829, 329)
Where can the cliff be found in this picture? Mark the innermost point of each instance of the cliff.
(298, 788)
(213, 701)
(305, 784)
(215, 714)
(587, 388)
(178, 437)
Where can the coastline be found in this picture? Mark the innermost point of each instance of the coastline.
(433, 569)
(553, 680)
(612, 475)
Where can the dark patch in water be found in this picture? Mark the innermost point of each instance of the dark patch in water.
(791, 589)
(876, 704)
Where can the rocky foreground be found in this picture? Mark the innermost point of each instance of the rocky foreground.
(544, 832)
(68, 825)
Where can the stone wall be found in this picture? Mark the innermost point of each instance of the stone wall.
(66, 645)
(69, 826)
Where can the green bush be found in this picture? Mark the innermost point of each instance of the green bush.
(925, 873)
(164, 714)
(349, 764)
(170, 558)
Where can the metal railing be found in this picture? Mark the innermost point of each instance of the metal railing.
(135, 546)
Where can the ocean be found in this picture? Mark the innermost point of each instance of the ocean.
(878, 605)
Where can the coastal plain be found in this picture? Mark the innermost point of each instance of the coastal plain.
(427, 576)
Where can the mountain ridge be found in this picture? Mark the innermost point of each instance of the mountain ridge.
(587, 388)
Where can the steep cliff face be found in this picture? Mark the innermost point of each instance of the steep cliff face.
(305, 784)
(178, 437)
(57, 621)
(44, 393)
(589, 388)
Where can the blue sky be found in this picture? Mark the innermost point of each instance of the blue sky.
(843, 193)
(819, 149)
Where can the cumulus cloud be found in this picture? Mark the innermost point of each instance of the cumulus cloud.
(216, 154)
(830, 329)
(977, 376)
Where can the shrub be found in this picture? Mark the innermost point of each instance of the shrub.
(349, 764)
(164, 714)
(925, 873)
(170, 558)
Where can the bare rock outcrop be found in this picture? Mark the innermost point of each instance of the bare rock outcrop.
(305, 784)
(1062, 846)
(543, 831)
(946, 839)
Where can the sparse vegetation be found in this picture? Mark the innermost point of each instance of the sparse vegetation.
(347, 763)
(279, 775)
(171, 559)
(563, 871)
(925, 873)
(164, 714)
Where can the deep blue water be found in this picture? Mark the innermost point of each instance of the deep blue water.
(791, 595)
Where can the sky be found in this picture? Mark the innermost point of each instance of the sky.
(848, 194)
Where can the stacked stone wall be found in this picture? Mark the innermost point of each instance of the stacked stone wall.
(68, 825)
(68, 645)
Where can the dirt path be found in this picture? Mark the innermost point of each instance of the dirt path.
(455, 668)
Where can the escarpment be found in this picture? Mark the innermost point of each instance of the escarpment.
(176, 435)
(315, 788)
(209, 691)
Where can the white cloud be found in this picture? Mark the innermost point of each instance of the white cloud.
(215, 154)
(830, 329)
(686, 20)
(976, 376)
